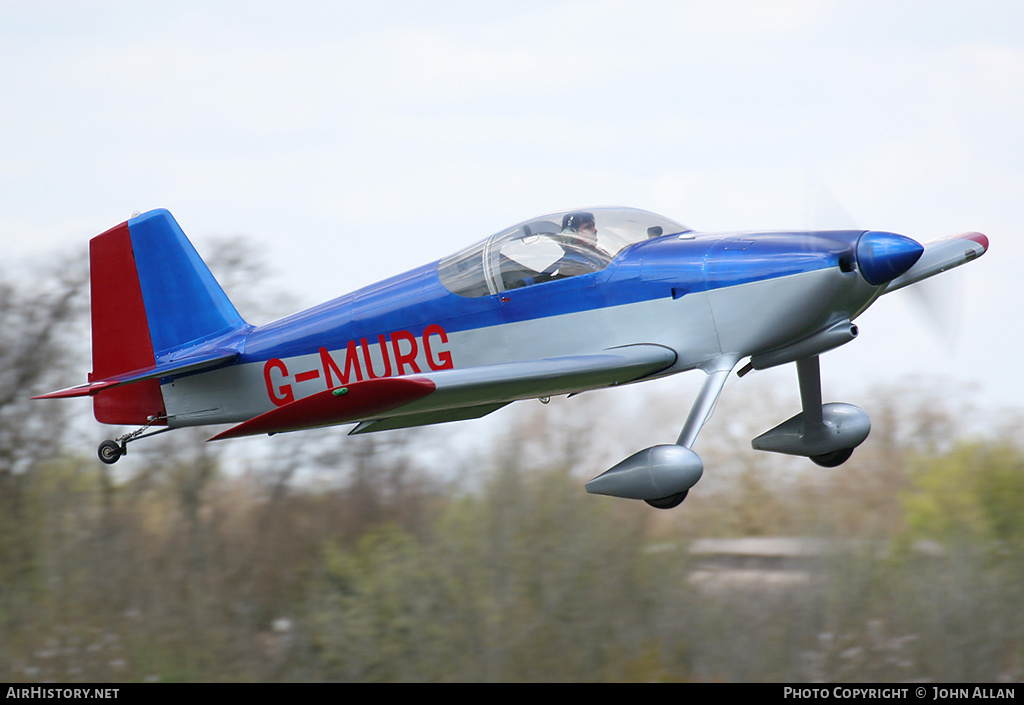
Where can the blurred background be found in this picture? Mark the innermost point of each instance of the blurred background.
(311, 148)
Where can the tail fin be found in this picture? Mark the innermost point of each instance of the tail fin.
(152, 295)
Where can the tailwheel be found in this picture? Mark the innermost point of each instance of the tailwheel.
(670, 502)
(110, 452)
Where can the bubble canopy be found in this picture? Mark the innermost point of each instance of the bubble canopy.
(550, 247)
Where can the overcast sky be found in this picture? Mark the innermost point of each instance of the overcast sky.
(353, 141)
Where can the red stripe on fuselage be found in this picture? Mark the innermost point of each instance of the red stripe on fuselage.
(120, 331)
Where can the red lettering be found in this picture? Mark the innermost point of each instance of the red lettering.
(408, 358)
(369, 363)
(279, 394)
(306, 376)
(401, 358)
(443, 361)
(351, 366)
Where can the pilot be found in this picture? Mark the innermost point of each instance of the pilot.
(580, 252)
(582, 222)
(579, 239)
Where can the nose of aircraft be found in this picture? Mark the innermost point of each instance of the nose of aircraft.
(882, 256)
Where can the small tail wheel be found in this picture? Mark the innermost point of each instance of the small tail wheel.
(110, 452)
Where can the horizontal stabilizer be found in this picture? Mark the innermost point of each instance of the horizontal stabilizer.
(335, 406)
(940, 256)
(171, 368)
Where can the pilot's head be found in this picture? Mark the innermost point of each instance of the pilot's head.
(580, 222)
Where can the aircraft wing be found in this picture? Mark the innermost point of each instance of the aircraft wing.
(447, 395)
(942, 255)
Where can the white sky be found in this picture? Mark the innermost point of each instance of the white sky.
(357, 140)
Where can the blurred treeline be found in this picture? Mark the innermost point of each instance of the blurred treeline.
(472, 552)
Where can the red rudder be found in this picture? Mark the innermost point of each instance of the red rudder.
(120, 331)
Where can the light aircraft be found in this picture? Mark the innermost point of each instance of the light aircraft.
(556, 305)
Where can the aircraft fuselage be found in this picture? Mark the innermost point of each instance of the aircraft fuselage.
(700, 295)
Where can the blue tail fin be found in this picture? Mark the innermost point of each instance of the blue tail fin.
(184, 303)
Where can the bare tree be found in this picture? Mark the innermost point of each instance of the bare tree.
(40, 321)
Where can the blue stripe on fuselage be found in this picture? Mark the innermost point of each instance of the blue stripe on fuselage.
(653, 269)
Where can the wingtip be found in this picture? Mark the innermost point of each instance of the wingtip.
(979, 238)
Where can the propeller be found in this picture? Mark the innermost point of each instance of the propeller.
(937, 300)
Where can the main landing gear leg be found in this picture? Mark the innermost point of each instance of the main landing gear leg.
(700, 412)
(663, 475)
(808, 372)
(110, 451)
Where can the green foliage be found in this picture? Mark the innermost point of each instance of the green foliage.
(974, 493)
(528, 581)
